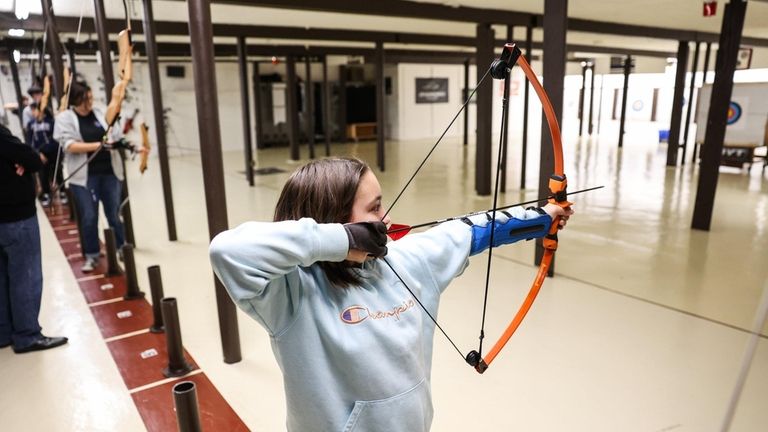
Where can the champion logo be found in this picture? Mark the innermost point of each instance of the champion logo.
(357, 314)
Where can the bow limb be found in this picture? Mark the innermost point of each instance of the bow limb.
(146, 145)
(45, 98)
(557, 186)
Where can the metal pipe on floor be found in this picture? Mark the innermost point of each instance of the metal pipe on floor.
(132, 291)
(156, 289)
(177, 364)
(113, 268)
(185, 404)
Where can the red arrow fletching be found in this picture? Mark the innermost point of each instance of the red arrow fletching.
(398, 231)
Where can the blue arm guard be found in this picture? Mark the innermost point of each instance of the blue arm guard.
(508, 232)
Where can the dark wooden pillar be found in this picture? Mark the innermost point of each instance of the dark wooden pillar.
(694, 66)
(677, 104)
(590, 124)
(104, 51)
(465, 95)
(380, 112)
(157, 108)
(71, 51)
(505, 137)
(245, 101)
(701, 122)
(343, 103)
(623, 120)
(526, 95)
(581, 96)
(326, 108)
(555, 27)
(309, 107)
(17, 86)
(725, 65)
(259, 127)
(55, 48)
(484, 110)
(109, 83)
(291, 106)
(206, 97)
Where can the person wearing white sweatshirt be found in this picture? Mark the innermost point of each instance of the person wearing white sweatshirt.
(353, 345)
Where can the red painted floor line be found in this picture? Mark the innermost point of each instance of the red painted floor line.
(140, 356)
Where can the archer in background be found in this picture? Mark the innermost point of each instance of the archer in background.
(95, 167)
(40, 137)
(354, 348)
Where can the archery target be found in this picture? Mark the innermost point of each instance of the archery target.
(734, 113)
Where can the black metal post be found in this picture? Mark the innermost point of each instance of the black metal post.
(187, 411)
(343, 103)
(17, 86)
(246, 105)
(109, 82)
(694, 66)
(54, 47)
(71, 51)
(555, 28)
(132, 290)
(464, 97)
(623, 120)
(677, 104)
(590, 124)
(380, 113)
(100, 20)
(582, 92)
(700, 122)
(326, 108)
(177, 363)
(41, 58)
(113, 268)
(204, 71)
(526, 94)
(484, 111)
(725, 65)
(157, 108)
(156, 289)
(292, 114)
(259, 127)
(505, 137)
(309, 106)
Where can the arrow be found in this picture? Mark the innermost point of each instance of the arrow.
(398, 231)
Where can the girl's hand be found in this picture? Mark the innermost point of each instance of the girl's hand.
(366, 239)
(19, 170)
(554, 210)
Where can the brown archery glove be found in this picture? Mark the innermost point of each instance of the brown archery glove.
(370, 237)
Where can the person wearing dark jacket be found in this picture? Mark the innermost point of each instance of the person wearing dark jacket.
(21, 275)
(40, 137)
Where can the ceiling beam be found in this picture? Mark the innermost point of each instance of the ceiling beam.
(177, 28)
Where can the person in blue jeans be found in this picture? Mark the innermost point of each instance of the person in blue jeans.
(21, 275)
(96, 168)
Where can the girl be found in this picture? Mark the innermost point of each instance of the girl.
(81, 130)
(354, 348)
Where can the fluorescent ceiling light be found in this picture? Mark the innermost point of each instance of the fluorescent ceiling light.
(21, 9)
(16, 56)
(16, 32)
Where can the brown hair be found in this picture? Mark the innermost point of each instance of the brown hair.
(77, 93)
(324, 190)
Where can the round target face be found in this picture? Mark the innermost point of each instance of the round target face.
(734, 113)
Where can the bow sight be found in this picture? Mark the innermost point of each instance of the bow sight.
(501, 67)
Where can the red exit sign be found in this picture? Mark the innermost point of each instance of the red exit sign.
(710, 8)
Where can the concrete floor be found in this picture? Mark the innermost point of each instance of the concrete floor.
(643, 329)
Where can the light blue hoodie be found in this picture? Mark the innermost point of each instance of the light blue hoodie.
(356, 358)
